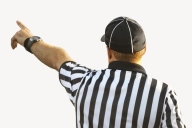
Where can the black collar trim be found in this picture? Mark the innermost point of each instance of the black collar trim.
(128, 66)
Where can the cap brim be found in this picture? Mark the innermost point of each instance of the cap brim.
(103, 38)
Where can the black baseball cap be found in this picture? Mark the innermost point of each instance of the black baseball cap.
(124, 35)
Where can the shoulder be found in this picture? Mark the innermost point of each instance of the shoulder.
(72, 65)
(159, 85)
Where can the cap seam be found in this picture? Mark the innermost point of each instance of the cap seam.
(115, 20)
(112, 33)
(130, 36)
(134, 22)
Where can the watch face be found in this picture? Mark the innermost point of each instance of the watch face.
(31, 39)
(34, 39)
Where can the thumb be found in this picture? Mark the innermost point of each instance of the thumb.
(14, 44)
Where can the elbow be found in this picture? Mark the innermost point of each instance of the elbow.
(56, 64)
(59, 59)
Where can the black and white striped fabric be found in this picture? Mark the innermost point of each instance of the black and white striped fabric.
(121, 96)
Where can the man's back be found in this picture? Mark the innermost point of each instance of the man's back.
(121, 96)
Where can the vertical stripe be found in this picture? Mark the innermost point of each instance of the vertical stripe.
(138, 100)
(111, 98)
(144, 102)
(149, 103)
(93, 99)
(160, 105)
(105, 98)
(168, 115)
(178, 119)
(155, 104)
(87, 98)
(127, 100)
(163, 118)
(116, 99)
(100, 96)
(173, 113)
(78, 99)
(82, 103)
(133, 100)
(77, 96)
(122, 99)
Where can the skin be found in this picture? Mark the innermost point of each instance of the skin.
(51, 56)
(111, 57)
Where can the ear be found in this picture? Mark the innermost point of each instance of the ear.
(144, 50)
(109, 53)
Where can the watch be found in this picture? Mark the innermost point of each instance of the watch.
(30, 41)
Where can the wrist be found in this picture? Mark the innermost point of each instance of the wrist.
(30, 41)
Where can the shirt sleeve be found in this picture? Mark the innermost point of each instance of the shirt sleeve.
(172, 116)
(70, 76)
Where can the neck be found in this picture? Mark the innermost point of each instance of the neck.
(139, 62)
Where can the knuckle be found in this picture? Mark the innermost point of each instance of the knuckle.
(23, 30)
(17, 32)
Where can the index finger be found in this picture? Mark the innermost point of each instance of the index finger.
(21, 25)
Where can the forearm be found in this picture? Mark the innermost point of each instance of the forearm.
(51, 56)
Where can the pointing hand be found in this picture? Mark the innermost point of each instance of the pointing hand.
(21, 35)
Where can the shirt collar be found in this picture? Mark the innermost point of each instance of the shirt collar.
(128, 66)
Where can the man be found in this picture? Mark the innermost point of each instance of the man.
(120, 96)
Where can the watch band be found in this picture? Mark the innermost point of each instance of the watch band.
(30, 41)
(26, 45)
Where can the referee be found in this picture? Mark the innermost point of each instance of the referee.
(120, 96)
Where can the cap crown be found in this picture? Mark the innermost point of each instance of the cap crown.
(124, 35)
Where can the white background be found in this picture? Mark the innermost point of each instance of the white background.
(31, 95)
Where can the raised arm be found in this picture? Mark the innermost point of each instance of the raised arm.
(51, 56)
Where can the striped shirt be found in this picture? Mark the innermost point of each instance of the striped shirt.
(120, 96)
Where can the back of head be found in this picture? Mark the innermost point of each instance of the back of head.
(125, 38)
(129, 57)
